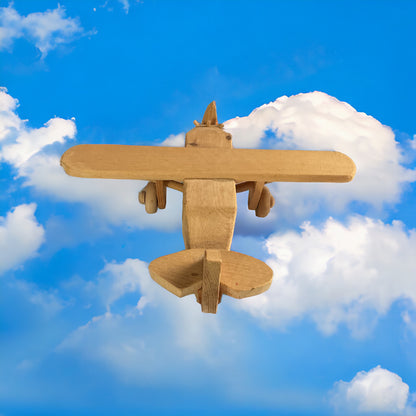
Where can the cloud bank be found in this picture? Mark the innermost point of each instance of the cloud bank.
(347, 274)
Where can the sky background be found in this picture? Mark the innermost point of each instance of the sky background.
(83, 328)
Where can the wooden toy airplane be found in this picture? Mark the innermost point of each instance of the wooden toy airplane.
(209, 172)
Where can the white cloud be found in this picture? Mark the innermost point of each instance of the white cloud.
(174, 140)
(130, 344)
(20, 236)
(376, 391)
(116, 280)
(132, 276)
(46, 30)
(413, 142)
(115, 201)
(10, 26)
(409, 318)
(338, 274)
(9, 120)
(46, 301)
(18, 141)
(28, 149)
(125, 4)
(317, 121)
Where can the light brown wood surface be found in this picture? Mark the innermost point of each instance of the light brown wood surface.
(148, 197)
(254, 195)
(266, 202)
(211, 273)
(175, 163)
(210, 115)
(241, 276)
(161, 194)
(208, 213)
(178, 186)
(180, 273)
(208, 137)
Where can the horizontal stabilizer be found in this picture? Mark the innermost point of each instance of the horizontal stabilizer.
(241, 275)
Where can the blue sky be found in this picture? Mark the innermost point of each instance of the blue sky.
(83, 328)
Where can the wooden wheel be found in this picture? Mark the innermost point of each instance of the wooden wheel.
(266, 202)
(148, 197)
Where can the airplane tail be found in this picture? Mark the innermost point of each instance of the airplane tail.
(211, 273)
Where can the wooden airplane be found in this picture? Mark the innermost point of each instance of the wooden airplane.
(209, 172)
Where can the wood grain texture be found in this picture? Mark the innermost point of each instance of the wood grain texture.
(213, 137)
(208, 214)
(211, 273)
(175, 163)
(161, 194)
(180, 273)
(177, 186)
(150, 198)
(210, 115)
(266, 202)
(254, 195)
(243, 186)
(241, 275)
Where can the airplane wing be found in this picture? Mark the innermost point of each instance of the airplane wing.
(178, 163)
